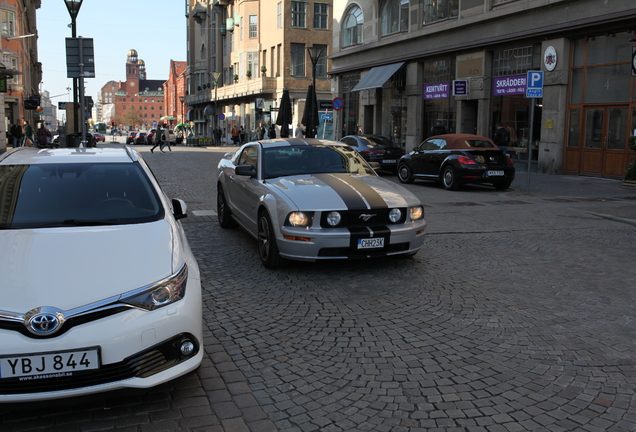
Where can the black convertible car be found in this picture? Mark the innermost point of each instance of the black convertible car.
(456, 159)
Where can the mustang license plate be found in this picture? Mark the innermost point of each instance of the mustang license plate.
(54, 364)
(494, 173)
(372, 243)
(389, 161)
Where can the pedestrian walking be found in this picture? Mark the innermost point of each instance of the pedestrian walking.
(235, 135)
(242, 135)
(166, 140)
(42, 136)
(217, 136)
(260, 131)
(28, 134)
(271, 132)
(16, 134)
(438, 129)
(158, 140)
(501, 137)
(299, 132)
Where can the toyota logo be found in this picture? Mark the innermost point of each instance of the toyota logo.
(44, 321)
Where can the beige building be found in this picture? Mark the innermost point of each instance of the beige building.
(253, 50)
(397, 62)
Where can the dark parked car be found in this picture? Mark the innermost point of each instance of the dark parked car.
(456, 159)
(140, 138)
(376, 148)
(130, 138)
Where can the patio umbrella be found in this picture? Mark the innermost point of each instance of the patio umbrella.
(284, 114)
(310, 113)
(168, 117)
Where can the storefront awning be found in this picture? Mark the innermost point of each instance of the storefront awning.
(190, 115)
(208, 110)
(377, 76)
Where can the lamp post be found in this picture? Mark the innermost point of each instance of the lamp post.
(216, 76)
(182, 99)
(73, 7)
(315, 52)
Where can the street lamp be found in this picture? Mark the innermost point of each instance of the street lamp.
(315, 52)
(73, 7)
(182, 99)
(216, 76)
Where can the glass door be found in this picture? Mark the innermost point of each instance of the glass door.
(605, 141)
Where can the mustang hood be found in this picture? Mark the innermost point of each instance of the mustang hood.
(342, 192)
(85, 273)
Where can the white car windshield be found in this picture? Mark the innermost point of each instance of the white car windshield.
(76, 194)
(315, 159)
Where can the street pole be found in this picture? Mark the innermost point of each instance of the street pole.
(216, 76)
(314, 55)
(530, 143)
(81, 92)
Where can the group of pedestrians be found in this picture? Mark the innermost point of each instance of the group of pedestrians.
(160, 139)
(25, 137)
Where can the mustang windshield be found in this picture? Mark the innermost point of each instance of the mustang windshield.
(315, 159)
(76, 194)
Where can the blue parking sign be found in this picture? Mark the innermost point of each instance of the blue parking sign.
(534, 84)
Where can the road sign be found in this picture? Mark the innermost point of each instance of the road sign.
(221, 116)
(337, 104)
(61, 106)
(260, 103)
(325, 117)
(75, 56)
(534, 84)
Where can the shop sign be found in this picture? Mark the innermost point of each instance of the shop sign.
(514, 85)
(550, 58)
(436, 91)
(460, 87)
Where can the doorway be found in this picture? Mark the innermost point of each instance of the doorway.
(604, 141)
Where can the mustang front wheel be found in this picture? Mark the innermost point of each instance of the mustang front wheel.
(223, 211)
(267, 247)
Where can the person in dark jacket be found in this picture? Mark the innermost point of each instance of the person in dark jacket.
(158, 140)
(438, 129)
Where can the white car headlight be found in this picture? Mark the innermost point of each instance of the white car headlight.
(395, 215)
(299, 219)
(333, 218)
(161, 294)
(417, 212)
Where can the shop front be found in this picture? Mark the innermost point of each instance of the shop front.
(601, 106)
(439, 107)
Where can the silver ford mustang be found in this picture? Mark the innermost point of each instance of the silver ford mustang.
(310, 199)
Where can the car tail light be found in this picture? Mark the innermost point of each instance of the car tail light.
(509, 160)
(465, 160)
(370, 152)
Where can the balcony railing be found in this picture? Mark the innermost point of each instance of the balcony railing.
(250, 87)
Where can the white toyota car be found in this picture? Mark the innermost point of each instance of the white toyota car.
(100, 290)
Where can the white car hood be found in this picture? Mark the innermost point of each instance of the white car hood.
(71, 267)
(342, 191)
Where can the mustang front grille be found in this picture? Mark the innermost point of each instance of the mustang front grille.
(362, 218)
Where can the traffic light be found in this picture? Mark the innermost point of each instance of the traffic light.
(112, 123)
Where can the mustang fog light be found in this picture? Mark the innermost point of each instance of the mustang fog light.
(298, 219)
(417, 213)
(186, 347)
(395, 215)
(333, 218)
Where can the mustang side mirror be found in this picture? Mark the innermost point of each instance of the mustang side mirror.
(245, 170)
(179, 208)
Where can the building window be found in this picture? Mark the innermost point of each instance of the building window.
(253, 27)
(435, 10)
(321, 64)
(279, 15)
(321, 16)
(352, 27)
(298, 14)
(515, 61)
(8, 23)
(395, 17)
(252, 62)
(297, 59)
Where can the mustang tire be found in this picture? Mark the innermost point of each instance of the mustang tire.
(267, 247)
(404, 174)
(223, 211)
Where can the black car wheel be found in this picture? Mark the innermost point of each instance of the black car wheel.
(222, 211)
(502, 185)
(449, 178)
(267, 247)
(404, 174)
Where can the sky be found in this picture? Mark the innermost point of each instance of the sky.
(156, 29)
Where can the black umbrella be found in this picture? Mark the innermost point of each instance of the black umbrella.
(284, 114)
(310, 114)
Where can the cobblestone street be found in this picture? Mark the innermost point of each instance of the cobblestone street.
(518, 314)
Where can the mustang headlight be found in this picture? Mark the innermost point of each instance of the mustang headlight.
(417, 212)
(395, 215)
(161, 294)
(333, 218)
(300, 219)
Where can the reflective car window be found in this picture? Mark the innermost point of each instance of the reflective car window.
(433, 144)
(315, 159)
(480, 144)
(249, 156)
(376, 141)
(50, 195)
(350, 141)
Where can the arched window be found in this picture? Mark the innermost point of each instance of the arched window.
(352, 27)
(395, 17)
